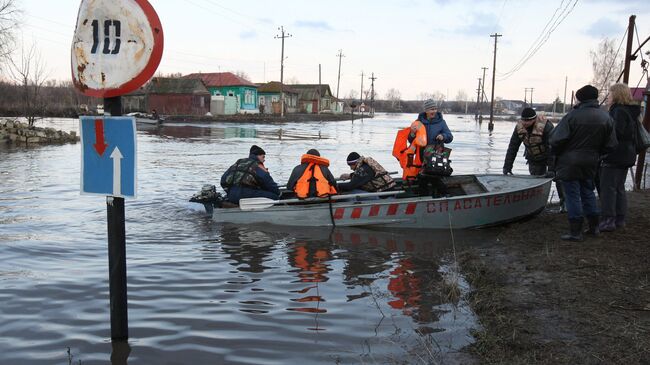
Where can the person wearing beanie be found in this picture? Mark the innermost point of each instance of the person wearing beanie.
(533, 131)
(428, 129)
(367, 176)
(248, 178)
(579, 141)
(312, 178)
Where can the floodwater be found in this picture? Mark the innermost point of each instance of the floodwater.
(202, 293)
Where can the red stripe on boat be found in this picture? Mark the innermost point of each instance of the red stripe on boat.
(392, 209)
(374, 210)
(338, 213)
(410, 208)
(356, 213)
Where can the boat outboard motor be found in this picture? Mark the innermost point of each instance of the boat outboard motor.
(209, 197)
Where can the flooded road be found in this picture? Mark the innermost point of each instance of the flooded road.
(203, 293)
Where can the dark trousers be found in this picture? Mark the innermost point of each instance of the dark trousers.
(540, 169)
(580, 198)
(613, 200)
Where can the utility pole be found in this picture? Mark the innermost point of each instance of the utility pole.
(372, 94)
(566, 80)
(628, 49)
(482, 92)
(525, 96)
(494, 69)
(319, 83)
(338, 82)
(282, 36)
(478, 98)
(531, 96)
(361, 93)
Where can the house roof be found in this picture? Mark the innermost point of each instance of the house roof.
(220, 79)
(169, 85)
(275, 87)
(311, 91)
(637, 93)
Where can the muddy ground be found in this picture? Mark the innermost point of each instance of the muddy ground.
(542, 300)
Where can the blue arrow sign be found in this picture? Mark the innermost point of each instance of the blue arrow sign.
(108, 156)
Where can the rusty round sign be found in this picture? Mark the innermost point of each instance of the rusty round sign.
(117, 46)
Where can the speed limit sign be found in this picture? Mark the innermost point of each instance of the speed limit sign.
(117, 46)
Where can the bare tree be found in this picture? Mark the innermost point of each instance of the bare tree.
(292, 81)
(424, 96)
(394, 96)
(461, 95)
(28, 71)
(8, 24)
(243, 75)
(352, 94)
(606, 64)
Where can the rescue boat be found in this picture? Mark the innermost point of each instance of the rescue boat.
(470, 201)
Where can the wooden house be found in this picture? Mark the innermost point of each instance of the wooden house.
(227, 84)
(312, 97)
(177, 96)
(268, 97)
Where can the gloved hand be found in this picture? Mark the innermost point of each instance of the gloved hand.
(344, 177)
(550, 174)
(507, 171)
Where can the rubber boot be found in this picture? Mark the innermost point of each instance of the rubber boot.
(607, 224)
(593, 225)
(620, 221)
(575, 230)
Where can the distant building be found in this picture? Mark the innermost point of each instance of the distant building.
(169, 96)
(268, 96)
(311, 97)
(223, 85)
(512, 106)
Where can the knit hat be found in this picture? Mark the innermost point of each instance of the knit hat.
(528, 114)
(430, 104)
(587, 92)
(257, 150)
(353, 157)
(313, 152)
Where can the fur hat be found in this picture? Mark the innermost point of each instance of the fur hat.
(430, 104)
(528, 114)
(587, 92)
(353, 157)
(256, 150)
(313, 152)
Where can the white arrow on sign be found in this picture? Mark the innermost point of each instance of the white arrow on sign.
(116, 155)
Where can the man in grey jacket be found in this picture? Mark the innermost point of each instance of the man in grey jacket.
(579, 141)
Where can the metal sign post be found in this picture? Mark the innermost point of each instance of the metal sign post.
(117, 47)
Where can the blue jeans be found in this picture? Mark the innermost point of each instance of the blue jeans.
(580, 199)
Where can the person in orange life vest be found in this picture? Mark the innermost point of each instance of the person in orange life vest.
(428, 129)
(367, 176)
(248, 178)
(312, 178)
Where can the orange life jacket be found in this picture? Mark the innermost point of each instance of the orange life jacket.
(407, 154)
(313, 174)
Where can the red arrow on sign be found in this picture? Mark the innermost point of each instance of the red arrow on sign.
(100, 145)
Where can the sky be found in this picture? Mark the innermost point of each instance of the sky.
(413, 46)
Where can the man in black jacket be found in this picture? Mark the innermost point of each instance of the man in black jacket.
(579, 141)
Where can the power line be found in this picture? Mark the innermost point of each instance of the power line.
(556, 21)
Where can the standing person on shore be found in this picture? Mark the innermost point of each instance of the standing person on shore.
(613, 168)
(579, 140)
(533, 132)
(312, 178)
(248, 178)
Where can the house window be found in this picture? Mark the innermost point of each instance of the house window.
(230, 93)
(248, 97)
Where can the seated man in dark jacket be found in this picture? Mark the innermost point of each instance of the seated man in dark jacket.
(367, 176)
(248, 178)
(312, 178)
(579, 140)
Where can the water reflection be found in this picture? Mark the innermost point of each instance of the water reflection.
(218, 132)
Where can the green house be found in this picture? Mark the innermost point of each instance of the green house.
(227, 84)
